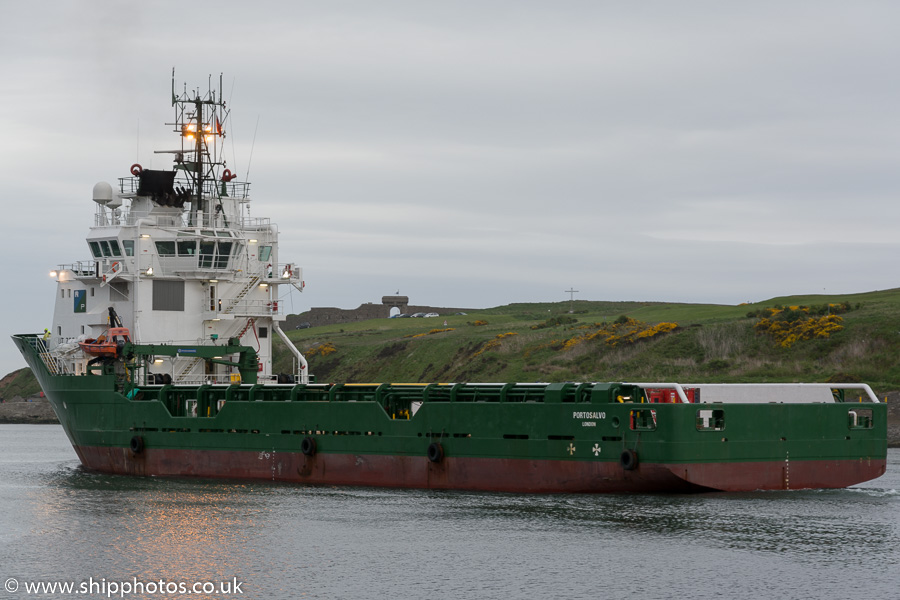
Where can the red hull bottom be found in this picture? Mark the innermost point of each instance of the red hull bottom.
(484, 474)
(781, 475)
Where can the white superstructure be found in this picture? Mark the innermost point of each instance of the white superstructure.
(178, 257)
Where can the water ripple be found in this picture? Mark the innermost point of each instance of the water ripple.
(290, 541)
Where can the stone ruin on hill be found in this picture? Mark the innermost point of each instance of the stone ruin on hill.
(318, 316)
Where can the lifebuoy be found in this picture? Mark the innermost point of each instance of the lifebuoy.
(115, 267)
(435, 452)
(137, 444)
(308, 446)
(136, 169)
(629, 460)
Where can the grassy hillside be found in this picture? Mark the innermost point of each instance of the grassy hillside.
(543, 342)
(19, 383)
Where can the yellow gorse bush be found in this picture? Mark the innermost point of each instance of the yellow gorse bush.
(494, 342)
(657, 329)
(432, 332)
(787, 333)
(323, 349)
(622, 331)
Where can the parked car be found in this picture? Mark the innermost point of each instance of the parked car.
(399, 316)
(417, 315)
(432, 315)
(303, 326)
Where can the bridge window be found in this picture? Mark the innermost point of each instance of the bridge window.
(215, 255)
(165, 248)
(222, 253)
(207, 252)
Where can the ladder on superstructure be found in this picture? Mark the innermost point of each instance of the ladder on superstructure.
(232, 304)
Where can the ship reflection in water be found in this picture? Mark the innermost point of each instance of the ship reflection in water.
(289, 541)
(147, 529)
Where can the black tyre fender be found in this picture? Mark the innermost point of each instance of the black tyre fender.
(137, 444)
(308, 446)
(629, 460)
(435, 452)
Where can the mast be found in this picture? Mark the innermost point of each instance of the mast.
(199, 120)
(198, 111)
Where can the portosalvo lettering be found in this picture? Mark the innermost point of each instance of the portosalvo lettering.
(588, 415)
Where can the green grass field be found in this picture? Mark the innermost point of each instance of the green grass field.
(713, 343)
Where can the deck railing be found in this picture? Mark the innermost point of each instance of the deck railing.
(52, 361)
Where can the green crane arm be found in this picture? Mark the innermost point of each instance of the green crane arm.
(247, 358)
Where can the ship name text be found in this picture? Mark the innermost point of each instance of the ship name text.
(588, 415)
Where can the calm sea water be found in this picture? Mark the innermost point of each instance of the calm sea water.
(61, 524)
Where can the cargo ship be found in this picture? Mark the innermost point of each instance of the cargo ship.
(159, 363)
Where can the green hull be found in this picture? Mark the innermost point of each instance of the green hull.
(589, 437)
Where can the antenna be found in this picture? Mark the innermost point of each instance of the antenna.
(252, 144)
(231, 125)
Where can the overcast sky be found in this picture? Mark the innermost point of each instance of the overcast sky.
(478, 153)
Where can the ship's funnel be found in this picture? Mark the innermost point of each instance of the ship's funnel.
(103, 193)
(159, 185)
